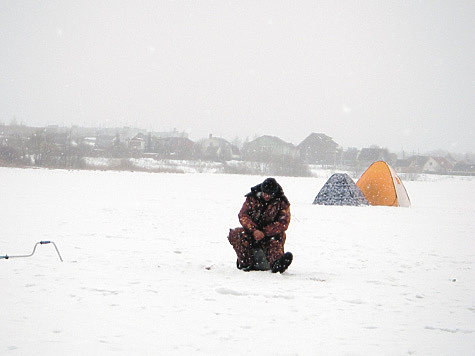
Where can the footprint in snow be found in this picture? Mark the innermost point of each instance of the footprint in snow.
(227, 291)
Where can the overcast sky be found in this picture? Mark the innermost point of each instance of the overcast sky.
(398, 74)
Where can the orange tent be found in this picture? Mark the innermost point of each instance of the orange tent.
(381, 186)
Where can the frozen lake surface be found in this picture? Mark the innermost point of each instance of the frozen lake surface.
(148, 269)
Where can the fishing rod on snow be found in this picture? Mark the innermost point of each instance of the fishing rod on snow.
(6, 257)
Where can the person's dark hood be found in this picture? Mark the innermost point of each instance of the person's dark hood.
(279, 192)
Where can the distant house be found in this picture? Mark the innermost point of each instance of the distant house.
(216, 148)
(413, 164)
(426, 164)
(452, 160)
(138, 142)
(124, 134)
(269, 146)
(438, 165)
(349, 157)
(174, 147)
(370, 155)
(318, 148)
(464, 167)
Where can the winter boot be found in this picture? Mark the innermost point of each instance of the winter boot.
(282, 263)
(243, 267)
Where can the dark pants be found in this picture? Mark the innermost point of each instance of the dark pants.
(244, 243)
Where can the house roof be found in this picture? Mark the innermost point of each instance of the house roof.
(443, 162)
(465, 166)
(215, 141)
(269, 140)
(420, 161)
(373, 154)
(139, 137)
(416, 161)
(171, 139)
(317, 139)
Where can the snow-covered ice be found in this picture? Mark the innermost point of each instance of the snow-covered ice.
(148, 269)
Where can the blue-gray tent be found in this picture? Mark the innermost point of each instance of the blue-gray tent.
(340, 189)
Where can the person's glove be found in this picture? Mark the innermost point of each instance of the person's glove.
(258, 235)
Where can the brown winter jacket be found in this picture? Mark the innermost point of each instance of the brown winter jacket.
(272, 217)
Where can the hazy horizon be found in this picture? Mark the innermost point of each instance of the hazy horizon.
(399, 75)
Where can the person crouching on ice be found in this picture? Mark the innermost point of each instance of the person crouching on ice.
(264, 216)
